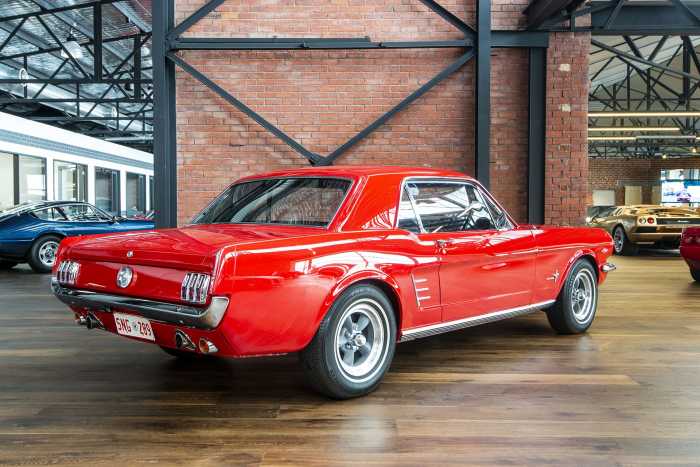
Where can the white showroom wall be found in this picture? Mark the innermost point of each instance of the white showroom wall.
(24, 139)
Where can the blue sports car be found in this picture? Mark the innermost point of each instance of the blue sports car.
(31, 232)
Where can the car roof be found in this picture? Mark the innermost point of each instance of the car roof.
(355, 171)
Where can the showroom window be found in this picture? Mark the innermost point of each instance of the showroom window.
(70, 181)
(107, 190)
(135, 194)
(7, 184)
(32, 179)
(443, 207)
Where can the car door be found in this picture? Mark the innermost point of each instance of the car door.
(484, 267)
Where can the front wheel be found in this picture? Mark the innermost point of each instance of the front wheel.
(42, 255)
(575, 308)
(354, 344)
(695, 273)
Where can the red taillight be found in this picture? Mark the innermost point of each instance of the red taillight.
(650, 220)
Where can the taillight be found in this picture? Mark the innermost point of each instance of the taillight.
(650, 220)
(67, 272)
(195, 287)
(642, 220)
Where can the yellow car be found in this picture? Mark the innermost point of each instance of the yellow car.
(651, 225)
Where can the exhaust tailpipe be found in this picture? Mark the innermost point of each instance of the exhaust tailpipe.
(93, 322)
(183, 341)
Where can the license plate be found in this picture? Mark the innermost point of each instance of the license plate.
(133, 326)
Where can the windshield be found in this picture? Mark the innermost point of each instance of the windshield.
(287, 201)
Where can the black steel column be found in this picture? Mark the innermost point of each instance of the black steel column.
(483, 91)
(164, 134)
(536, 135)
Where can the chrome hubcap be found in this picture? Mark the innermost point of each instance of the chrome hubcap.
(47, 253)
(583, 296)
(361, 340)
(619, 240)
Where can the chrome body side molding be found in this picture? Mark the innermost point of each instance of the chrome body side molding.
(196, 317)
(439, 328)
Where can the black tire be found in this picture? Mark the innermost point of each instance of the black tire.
(183, 354)
(572, 313)
(338, 338)
(6, 265)
(695, 273)
(621, 244)
(37, 258)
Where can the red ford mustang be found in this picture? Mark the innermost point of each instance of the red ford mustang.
(690, 250)
(339, 263)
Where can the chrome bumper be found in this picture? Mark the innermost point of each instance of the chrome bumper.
(201, 318)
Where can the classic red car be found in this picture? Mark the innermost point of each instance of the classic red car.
(690, 250)
(339, 263)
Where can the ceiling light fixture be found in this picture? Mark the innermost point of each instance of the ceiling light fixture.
(72, 47)
(611, 138)
(631, 128)
(641, 114)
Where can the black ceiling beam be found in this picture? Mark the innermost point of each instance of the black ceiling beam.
(539, 11)
(634, 58)
(451, 18)
(307, 43)
(190, 21)
(662, 18)
(58, 48)
(51, 11)
(58, 81)
(500, 39)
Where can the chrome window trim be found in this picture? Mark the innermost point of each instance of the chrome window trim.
(351, 189)
(449, 180)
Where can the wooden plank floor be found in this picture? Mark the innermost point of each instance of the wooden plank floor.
(627, 393)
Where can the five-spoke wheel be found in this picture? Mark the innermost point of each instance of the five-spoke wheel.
(354, 344)
(575, 308)
(42, 255)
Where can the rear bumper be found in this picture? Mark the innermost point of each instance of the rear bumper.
(660, 236)
(201, 318)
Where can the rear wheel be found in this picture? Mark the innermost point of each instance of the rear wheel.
(575, 308)
(42, 255)
(5, 265)
(696, 274)
(354, 344)
(622, 244)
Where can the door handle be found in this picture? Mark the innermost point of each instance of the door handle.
(443, 244)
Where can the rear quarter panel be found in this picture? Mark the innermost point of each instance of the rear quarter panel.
(281, 290)
(558, 248)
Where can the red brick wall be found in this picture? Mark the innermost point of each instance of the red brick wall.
(322, 98)
(615, 174)
(566, 165)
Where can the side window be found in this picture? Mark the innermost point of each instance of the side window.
(446, 207)
(80, 213)
(407, 215)
(499, 217)
(49, 214)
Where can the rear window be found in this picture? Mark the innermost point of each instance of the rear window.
(286, 201)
